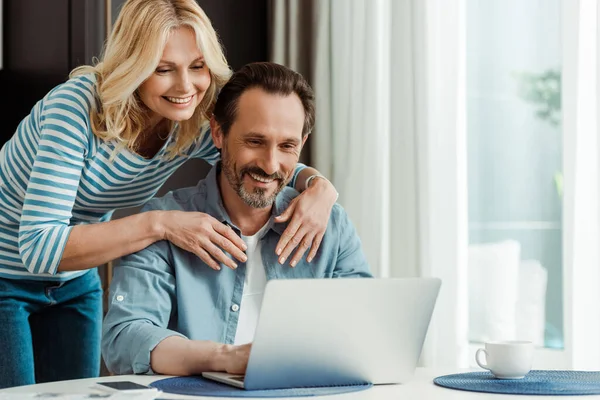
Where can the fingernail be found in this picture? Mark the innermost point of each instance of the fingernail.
(218, 268)
(281, 260)
(309, 259)
(293, 264)
(244, 258)
(234, 266)
(245, 247)
(279, 252)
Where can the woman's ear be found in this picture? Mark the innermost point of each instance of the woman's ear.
(217, 133)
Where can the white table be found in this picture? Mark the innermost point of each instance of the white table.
(420, 387)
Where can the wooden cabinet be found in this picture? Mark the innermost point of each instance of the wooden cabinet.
(42, 41)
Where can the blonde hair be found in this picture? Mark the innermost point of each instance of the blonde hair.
(132, 53)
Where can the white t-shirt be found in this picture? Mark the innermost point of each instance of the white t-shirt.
(254, 288)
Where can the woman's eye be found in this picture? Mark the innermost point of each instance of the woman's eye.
(162, 71)
(199, 66)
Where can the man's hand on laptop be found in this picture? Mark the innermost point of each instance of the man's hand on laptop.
(181, 356)
(235, 358)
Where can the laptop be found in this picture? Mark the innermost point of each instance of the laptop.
(333, 332)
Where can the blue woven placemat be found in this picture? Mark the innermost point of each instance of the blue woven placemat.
(541, 382)
(198, 386)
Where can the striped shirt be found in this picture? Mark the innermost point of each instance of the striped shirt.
(55, 174)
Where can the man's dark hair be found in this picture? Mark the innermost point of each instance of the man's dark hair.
(272, 78)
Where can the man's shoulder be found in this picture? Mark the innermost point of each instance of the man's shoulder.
(184, 199)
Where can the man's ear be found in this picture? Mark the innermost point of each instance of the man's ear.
(303, 141)
(216, 132)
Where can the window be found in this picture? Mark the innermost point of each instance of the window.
(514, 143)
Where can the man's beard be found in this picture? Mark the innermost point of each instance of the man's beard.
(258, 197)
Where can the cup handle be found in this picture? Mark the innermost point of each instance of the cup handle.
(478, 358)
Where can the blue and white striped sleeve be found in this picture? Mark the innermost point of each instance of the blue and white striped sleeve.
(54, 181)
(299, 167)
(209, 153)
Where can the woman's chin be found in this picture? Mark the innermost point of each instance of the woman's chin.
(180, 117)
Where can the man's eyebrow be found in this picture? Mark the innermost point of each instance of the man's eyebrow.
(254, 134)
(292, 140)
(201, 58)
(258, 135)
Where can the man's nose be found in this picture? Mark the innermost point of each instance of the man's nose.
(269, 162)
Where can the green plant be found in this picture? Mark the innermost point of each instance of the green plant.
(543, 90)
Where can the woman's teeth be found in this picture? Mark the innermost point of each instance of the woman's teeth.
(179, 100)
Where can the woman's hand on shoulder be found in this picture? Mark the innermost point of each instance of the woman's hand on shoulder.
(205, 236)
(309, 214)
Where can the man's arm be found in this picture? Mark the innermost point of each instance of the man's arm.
(141, 301)
(180, 356)
(351, 261)
(135, 336)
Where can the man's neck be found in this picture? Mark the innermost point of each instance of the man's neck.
(248, 219)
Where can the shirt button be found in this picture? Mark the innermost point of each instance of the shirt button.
(120, 298)
(235, 307)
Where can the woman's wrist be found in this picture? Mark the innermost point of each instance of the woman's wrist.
(319, 182)
(156, 219)
(311, 178)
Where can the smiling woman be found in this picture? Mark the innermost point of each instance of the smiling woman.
(106, 139)
(176, 89)
(180, 81)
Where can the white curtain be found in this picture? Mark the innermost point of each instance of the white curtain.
(390, 133)
(581, 44)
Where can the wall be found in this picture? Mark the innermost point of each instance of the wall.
(42, 41)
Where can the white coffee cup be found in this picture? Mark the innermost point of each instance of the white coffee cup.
(506, 360)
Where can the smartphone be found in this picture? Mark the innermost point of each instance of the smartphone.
(128, 386)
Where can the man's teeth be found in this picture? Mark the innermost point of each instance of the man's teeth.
(261, 179)
(179, 100)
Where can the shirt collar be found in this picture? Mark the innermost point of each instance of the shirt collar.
(214, 202)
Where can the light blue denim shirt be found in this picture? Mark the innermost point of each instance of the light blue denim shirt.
(163, 290)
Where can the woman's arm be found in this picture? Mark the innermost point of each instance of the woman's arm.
(47, 242)
(95, 244)
(92, 245)
(303, 175)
